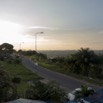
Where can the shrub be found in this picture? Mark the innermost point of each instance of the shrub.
(16, 80)
(17, 61)
(46, 92)
(7, 89)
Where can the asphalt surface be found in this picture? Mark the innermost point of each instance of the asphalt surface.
(67, 82)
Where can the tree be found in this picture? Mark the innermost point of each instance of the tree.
(84, 61)
(6, 47)
(41, 56)
(28, 52)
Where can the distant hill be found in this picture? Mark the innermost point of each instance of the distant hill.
(57, 53)
(99, 52)
(63, 53)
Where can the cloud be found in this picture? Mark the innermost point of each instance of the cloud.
(33, 29)
(41, 27)
(82, 38)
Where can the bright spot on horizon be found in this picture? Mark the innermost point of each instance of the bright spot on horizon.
(10, 32)
(7, 27)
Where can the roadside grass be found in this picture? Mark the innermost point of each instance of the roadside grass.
(49, 66)
(25, 75)
(52, 66)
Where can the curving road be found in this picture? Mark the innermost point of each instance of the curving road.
(67, 82)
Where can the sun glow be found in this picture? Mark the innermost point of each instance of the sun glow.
(7, 27)
(9, 31)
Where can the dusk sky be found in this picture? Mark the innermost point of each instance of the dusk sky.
(67, 24)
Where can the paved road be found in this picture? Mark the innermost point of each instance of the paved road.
(69, 83)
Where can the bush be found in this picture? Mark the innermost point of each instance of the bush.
(46, 92)
(16, 80)
(1, 58)
(17, 61)
(9, 61)
(7, 89)
(86, 92)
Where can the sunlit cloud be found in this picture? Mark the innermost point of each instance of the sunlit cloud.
(41, 27)
(30, 31)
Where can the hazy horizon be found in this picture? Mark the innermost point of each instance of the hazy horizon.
(64, 53)
(67, 24)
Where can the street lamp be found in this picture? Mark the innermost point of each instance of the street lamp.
(20, 45)
(36, 39)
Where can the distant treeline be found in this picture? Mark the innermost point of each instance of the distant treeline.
(64, 53)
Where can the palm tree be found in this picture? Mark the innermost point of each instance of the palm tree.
(83, 61)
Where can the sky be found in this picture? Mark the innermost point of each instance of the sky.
(66, 24)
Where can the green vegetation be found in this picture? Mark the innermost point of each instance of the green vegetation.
(19, 70)
(7, 89)
(21, 82)
(86, 92)
(47, 92)
(40, 91)
(84, 64)
(34, 55)
(18, 82)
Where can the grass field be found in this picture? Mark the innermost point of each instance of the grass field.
(25, 75)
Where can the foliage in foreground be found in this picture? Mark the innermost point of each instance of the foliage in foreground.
(7, 88)
(47, 92)
(19, 75)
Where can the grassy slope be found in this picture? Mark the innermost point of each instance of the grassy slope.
(25, 75)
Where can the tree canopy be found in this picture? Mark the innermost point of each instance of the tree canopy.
(6, 47)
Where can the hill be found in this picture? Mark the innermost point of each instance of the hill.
(63, 53)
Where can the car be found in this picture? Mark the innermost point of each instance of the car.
(72, 96)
